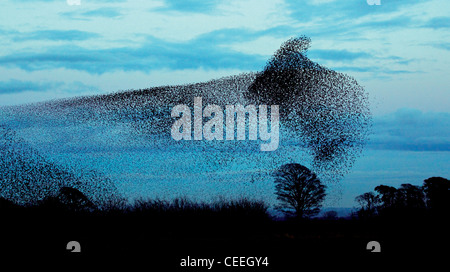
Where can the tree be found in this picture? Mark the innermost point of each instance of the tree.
(300, 191)
(411, 196)
(437, 193)
(369, 203)
(388, 196)
(407, 196)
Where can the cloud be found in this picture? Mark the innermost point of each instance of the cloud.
(154, 54)
(227, 48)
(90, 1)
(321, 2)
(55, 35)
(18, 86)
(15, 86)
(395, 22)
(103, 12)
(173, 36)
(337, 55)
(438, 23)
(338, 10)
(36, 0)
(189, 5)
(410, 129)
(53, 58)
(353, 20)
(381, 71)
(444, 45)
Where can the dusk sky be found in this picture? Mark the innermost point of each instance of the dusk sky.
(399, 51)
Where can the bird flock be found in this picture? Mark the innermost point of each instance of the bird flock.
(90, 143)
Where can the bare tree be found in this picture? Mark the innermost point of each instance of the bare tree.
(300, 191)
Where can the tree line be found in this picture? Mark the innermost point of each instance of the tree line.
(301, 194)
(432, 197)
(299, 191)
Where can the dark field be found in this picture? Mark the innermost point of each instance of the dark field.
(163, 233)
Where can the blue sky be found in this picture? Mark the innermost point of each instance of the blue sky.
(400, 52)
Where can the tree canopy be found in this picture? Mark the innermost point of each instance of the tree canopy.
(299, 190)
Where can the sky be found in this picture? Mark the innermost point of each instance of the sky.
(399, 51)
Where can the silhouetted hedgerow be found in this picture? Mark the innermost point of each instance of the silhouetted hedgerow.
(239, 209)
(72, 201)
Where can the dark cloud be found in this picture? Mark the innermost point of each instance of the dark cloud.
(410, 129)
